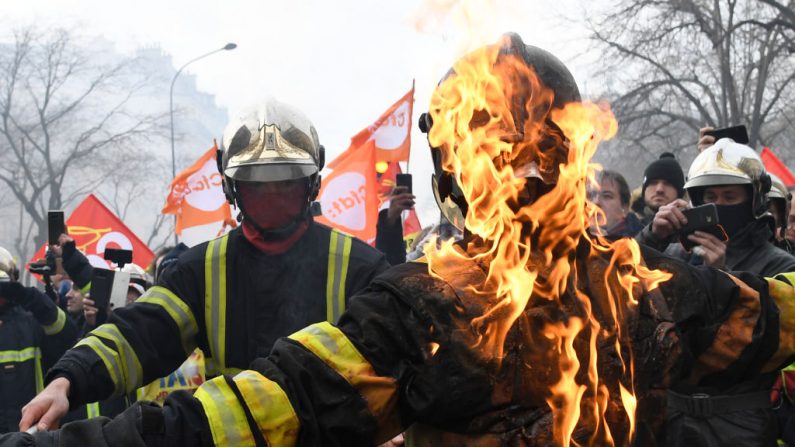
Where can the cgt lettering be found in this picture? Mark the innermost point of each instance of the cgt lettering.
(205, 182)
(346, 202)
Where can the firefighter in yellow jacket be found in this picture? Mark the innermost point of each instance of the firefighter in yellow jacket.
(450, 348)
(234, 296)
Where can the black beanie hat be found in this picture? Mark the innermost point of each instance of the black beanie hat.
(668, 169)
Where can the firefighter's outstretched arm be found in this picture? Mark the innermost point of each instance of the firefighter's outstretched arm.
(141, 342)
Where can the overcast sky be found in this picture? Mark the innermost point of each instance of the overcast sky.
(342, 62)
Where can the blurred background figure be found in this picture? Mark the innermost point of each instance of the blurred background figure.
(613, 198)
(34, 333)
(779, 202)
(389, 231)
(663, 182)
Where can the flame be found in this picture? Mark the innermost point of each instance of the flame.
(524, 177)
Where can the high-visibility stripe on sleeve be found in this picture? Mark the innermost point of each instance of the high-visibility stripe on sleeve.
(178, 310)
(215, 301)
(225, 413)
(782, 292)
(108, 359)
(270, 407)
(335, 350)
(38, 372)
(124, 357)
(58, 325)
(338, 259)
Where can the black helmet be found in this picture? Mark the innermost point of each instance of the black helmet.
(533, 82)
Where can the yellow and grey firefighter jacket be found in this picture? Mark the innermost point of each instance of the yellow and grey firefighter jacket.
(225, 297)
(402, 357)
(33, 335)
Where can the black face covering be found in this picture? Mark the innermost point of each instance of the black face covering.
(734, 218)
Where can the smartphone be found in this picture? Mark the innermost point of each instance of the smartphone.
(109, 288)
(101, 287)
(404, 180)
(737, 133)
(55, 225)
(701, 218)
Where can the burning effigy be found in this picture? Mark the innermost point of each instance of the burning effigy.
(552, 306)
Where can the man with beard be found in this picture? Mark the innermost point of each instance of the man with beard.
(528, 332)
(663, 182)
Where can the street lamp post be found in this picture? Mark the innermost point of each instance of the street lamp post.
(229, 46)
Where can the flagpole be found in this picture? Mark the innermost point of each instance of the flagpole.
(411, 126)
(227, 47)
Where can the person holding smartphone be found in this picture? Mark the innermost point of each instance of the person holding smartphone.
(732, 176)
(34, 333)
(389, 230)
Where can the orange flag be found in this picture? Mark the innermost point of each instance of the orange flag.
(94, 228)
(197, 197)
(390, 133)
(349, 196)
(775, 166)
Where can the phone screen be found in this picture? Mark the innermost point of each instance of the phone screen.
(404, 180)
(737, 133)
(55, 226)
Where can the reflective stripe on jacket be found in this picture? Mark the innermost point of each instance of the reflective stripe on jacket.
(227, 298)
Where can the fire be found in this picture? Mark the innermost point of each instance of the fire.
(525, 184)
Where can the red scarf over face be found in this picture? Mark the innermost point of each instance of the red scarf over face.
(273, 205)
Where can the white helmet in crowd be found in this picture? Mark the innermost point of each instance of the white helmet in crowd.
(729, 163)
(777, 189)
(139, 280)
(8, 267)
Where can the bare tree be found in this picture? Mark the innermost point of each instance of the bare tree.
(677, 65)
(65, 122)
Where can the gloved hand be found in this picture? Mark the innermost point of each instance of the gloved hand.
(13, 291)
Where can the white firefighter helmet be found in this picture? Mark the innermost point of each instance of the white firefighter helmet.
(777, 188)
(139, 280)
(8, 266)
(729, 163)
(273, 142)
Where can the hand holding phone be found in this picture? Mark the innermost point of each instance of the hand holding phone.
(701, 218)
(404, 180)
(737, 133)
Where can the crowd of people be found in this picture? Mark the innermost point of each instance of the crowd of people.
(288, 332)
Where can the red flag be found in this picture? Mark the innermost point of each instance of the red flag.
(197, 197)
(349, 196)
(94, 228)
(391, 133)
(775, 166)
